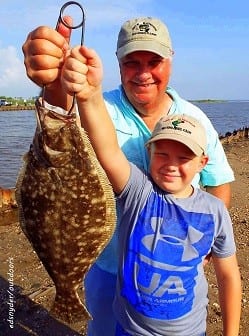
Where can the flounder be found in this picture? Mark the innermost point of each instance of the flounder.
(66, 206)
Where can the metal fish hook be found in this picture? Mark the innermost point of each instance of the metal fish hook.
(81, 24)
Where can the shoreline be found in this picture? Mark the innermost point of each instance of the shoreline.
(16, 108)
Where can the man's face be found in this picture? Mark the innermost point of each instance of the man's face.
(144, 76)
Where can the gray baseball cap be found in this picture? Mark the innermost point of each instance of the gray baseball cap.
(144, 34)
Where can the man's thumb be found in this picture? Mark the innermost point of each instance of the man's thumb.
(64, 30)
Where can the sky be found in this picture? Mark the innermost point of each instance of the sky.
(210, 40)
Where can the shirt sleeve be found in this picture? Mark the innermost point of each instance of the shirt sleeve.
(133, 192)
(217, 171)
(224, 243)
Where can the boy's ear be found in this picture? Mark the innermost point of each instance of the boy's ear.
(203, 162)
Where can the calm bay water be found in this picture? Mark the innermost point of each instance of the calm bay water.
(17, 130)
(16, 133)
(227, 116)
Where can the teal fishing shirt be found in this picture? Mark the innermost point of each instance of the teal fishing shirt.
(132, 135)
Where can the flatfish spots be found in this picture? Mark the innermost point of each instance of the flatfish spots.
(66, 206)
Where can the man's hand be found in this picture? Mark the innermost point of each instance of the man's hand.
(44, 53)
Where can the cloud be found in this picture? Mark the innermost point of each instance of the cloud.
(13, 79)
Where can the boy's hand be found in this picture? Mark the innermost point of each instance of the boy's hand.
(82, 73)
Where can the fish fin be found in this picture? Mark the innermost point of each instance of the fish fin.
(18, 193)
(69, 308)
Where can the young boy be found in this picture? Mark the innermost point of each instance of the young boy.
(167, 226)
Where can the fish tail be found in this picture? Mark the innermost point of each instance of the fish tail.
(69, 308)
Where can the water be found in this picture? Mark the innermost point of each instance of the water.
(227, 116)
(16, 133)
(17, 130)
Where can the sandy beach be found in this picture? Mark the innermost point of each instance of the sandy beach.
(23, 276)
(238, 157)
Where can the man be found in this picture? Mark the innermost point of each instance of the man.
(145, 54)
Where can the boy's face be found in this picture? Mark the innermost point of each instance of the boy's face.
(173, 166)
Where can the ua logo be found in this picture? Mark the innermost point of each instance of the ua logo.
(193, 236)
(172, 285)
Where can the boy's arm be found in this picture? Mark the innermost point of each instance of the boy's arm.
(229, 285)
(102, 134)
(82, 75)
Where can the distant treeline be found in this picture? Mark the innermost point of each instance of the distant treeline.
(207, 101)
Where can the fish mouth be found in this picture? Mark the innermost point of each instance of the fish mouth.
(53, 152)
(55, 157)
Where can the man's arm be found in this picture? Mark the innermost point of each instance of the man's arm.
(229, 286)
(222, 191)
(82, 75)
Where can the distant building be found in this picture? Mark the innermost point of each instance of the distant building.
(4, 102)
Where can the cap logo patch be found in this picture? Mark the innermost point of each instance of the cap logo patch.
(144, 28)
(175, 123)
